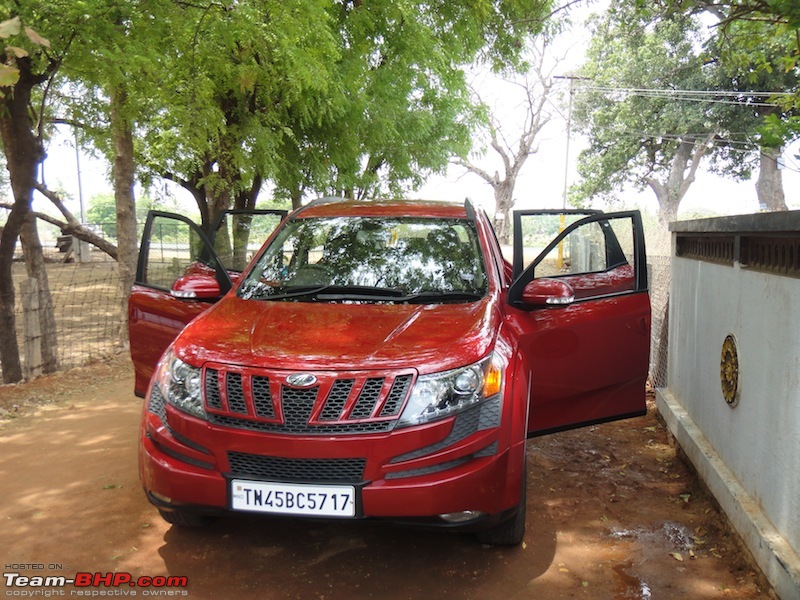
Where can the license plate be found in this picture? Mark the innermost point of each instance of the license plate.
(293, 498)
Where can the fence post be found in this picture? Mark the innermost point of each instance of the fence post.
(29, 290)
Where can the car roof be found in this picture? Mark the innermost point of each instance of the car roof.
(338, 207)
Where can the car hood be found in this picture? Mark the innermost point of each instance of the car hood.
(339, 336)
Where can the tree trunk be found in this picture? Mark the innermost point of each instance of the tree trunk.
(769, 186)
(35, 266)
(669, 194)
(504, 202)
(9, 349)
(124, 178)
(297, 196)
(24, 152)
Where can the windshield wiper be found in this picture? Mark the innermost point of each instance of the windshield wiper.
(357, 293)
(362, 293)
(333, 292)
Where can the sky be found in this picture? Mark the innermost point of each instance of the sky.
(541, 182)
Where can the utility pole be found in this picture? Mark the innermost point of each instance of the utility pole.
(571, 79)
(82, 248)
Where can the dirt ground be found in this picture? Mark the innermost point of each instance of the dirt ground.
(612, 513)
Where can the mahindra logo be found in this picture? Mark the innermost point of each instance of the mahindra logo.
(301, 379)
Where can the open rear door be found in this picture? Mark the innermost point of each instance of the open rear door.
(584, 314)
(173, 250)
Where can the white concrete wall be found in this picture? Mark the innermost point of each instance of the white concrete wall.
(758, 439)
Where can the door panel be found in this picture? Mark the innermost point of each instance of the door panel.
(154, 319)
(587, 357)
(173, 247)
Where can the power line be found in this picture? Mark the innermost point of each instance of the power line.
(707, 96)
(668, 91)
(743, 145)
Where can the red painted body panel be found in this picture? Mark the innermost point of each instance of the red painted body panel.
(303, 336)
(485, 484)
(154, 320)
(585, 368)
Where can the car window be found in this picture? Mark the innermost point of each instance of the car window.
(585, 250)
(174, 248)
(596, 256)
(405, 255)
(539, 229)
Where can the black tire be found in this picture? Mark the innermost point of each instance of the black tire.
(183, 518)
(512, 531)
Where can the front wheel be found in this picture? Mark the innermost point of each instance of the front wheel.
(511, 532)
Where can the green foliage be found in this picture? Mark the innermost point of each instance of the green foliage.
(312, 96)
(757, 39)
(102, 212)
(29, 42)
(636, 116)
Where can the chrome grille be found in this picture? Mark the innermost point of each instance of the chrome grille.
(302, 470)
(339, 403)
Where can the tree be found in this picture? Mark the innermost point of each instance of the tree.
(745, 27)
(230, 82)
(28, 80)
(102, 212)
(757, 43)
(771, 116)
(514, 149)
(28, 64)
(347, 97)
(311, 95)
(645, 125)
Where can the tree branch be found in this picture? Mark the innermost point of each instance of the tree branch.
(72, 226)
(698, 153)
(472, 168)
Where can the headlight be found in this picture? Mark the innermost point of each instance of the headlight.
(180, 384)
(443, 394)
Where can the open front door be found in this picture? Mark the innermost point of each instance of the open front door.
(584, 316)
(181, 272)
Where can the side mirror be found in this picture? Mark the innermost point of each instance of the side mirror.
(196, 287)
(548, 292)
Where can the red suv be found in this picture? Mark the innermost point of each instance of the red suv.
(379, 359)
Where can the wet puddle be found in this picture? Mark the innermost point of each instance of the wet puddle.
(669, 538)
(633, 587)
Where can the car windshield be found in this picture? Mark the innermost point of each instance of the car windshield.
(370, 259)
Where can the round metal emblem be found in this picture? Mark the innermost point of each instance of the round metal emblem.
(729, 371)
(301, 379)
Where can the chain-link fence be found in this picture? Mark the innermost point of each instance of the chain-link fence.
(659, 271)
(86, 303)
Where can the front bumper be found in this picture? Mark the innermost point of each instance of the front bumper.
(413, 474)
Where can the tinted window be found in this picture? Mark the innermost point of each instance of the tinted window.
(408, 255)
